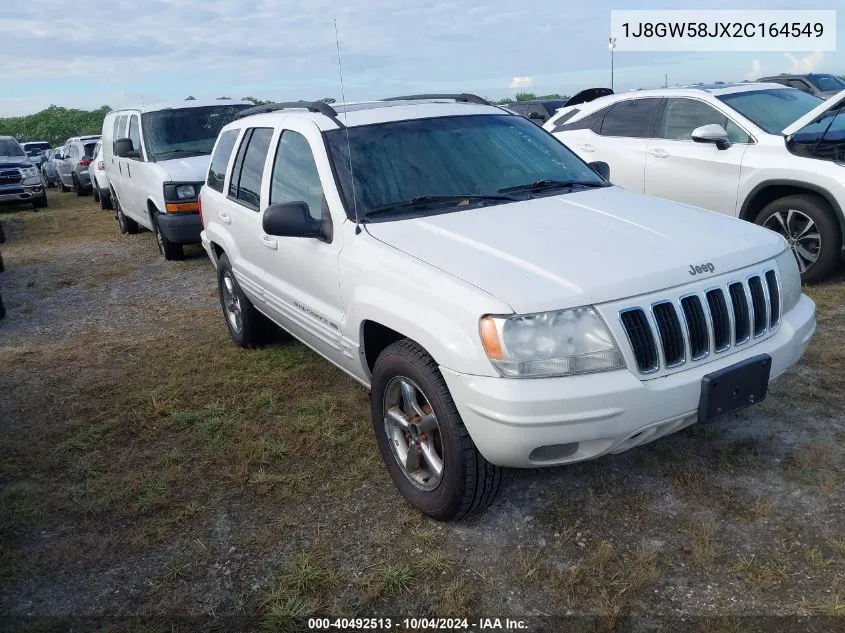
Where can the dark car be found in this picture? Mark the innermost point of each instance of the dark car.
(20, 180)
(36, 151)
(820, 84)
(538, 110)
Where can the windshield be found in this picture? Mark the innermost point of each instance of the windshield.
(772, 110)
(449, 156)
(186, 131)
(827, 83)
(30, 147)
(9, 147)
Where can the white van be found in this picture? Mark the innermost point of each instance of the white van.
(156, 159)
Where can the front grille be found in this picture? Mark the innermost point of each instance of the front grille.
(10, 177)
(690, 328)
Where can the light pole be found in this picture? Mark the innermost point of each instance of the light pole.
(611, 44)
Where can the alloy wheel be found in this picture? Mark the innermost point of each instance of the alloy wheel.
(801, 233)
(414, 433)
(231, 302)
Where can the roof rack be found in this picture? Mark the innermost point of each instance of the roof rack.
(312, 106)
(460, 98)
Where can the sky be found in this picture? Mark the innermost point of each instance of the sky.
(124, 52)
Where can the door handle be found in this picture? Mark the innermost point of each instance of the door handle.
(269, 242)
(587, 147)
(659, 153)
(225, 218)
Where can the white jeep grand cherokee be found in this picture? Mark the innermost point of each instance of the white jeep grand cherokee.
(505, 304)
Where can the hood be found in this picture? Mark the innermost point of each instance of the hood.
(580, 248)
(190, 169)
(15, 161)
(833, 102)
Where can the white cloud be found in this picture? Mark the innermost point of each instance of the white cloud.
(756, 70)
(520, 83)
(807, 64)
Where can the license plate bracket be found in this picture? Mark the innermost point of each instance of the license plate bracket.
(734, 388)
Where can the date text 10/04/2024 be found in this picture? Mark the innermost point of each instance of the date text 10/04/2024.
(442, 624)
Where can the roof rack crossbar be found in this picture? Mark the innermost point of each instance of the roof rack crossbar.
(312, 106)
(463, 97)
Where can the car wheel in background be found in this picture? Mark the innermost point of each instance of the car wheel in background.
(41, 202)
(78, 188)
(61, 185)
(422, 439)
(96, 192)
(168, 249)
(105, 201)
(246, 325)
(126, 225)
(810, 227)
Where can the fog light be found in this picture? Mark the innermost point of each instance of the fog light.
(553, 452)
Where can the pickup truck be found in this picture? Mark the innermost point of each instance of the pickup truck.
(505, 304)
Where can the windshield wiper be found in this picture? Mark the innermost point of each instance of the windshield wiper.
(423, 201)
(542, 185)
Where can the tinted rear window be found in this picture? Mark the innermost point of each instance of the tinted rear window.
(89, 149)
(630, 118)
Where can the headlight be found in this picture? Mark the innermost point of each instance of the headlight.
(557, 343)
(790, 279)
(29, 172)
(185, 192)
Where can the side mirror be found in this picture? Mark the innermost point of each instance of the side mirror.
(293, 219)
(601, 168)
(712, 133)
(124, 148)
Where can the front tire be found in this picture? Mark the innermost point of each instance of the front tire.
(41, 203)
(422, 439)
(247, 326)
(809, 225)
(169, 250)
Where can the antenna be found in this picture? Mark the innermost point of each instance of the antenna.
(346, 125)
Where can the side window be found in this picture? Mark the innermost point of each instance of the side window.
(220, 159)
(630, 118)
(682, 116)
(74, 151)
(135, 134)
(591, 121)
(295, 175)
(561, 122)
(119, 127)
(250, 167)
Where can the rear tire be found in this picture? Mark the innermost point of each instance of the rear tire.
(169, 250)
(61, 185)
(467, 483)
(96, 192)
(810, 226)
(247, 326)
(78, 189)
(124, 224)
(105, 202)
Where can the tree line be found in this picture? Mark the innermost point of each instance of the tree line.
(56, 124)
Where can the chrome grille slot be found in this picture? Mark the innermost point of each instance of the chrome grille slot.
(758, 302)
(640, 335)
(742, 315)
(720, 319)
(669, 331)
(699, 337)
(774, 298)
(693, 326)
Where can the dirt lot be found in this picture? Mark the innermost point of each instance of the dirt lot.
(152, 470)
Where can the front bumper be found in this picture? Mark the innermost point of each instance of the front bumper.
(21, 192)
(597, 414)
(180, 228)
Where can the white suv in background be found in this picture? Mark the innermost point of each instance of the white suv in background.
(762, 152)
(155, 159)
(505, 305)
